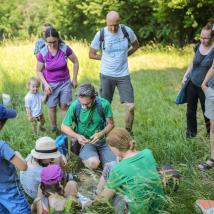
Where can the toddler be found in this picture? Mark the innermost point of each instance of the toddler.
(33, 105)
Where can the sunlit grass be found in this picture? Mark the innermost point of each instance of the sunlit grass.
(156, 74)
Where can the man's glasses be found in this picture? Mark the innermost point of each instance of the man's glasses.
(87, 105)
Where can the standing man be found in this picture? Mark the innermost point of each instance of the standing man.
(114, 41)
(93, 120)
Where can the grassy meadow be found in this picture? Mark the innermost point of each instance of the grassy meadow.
(159, 124)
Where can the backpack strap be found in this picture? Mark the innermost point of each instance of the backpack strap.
(125, 33)
(63, 47)
(102, 42)
(100, 110)
(44, 51)
(196, 47)
(99, 107)
(77, 112)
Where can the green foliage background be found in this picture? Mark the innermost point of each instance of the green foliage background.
(167, 21)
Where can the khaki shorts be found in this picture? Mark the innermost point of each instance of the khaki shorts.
(61, 94)
(123, 84)
(209, 103)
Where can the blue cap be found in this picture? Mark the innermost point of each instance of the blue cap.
(6, 113)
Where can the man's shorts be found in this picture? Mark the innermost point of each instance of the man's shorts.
(13, 200)
(124, 85)
(100, 150)
(209, 103)
(61, 94)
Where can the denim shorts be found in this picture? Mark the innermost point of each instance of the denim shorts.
(13, 201)
(123, 84)
(100, 150)
(61, 94)
(209, 103)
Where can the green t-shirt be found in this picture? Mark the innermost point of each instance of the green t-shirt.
(95, 124)
(137, 179)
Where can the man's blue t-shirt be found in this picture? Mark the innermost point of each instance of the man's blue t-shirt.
(8, 175)
(114, 61)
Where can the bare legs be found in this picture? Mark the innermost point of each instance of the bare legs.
(52, 114)
(129, 115)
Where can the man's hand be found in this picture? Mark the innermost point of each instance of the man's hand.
(96, 137)
(81, 139)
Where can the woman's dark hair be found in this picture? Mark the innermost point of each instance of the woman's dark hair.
(47, 189)
(52, 32)
(209, 26)
(41, 163)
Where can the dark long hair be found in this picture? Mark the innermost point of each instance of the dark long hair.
(55, 188)
(52, 32)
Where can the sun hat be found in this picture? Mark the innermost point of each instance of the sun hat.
(6, 113)
(45, 148)
(51, 174)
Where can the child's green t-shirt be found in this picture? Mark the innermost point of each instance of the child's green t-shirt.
(137, 179)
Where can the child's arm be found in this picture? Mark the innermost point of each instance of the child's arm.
(19, 161)
(29, 114)
(44, 97)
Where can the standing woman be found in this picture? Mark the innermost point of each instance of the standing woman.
(208, 88)
(53, 71)
(197, 70)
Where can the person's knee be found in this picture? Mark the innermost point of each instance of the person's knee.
(92, 163)
(63, 107)
(130, 107)
(72, 184)
(52, 109)
(71, 188)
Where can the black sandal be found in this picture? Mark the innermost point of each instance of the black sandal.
(205, 166)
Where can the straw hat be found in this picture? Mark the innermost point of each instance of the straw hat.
(45, 148)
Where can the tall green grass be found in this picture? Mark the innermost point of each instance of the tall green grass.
(159, 124)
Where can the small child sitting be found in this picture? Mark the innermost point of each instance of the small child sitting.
(54, 190)
(33, 105)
